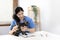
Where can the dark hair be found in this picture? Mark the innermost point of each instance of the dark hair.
(18, 9)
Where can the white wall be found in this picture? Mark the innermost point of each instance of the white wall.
(6, 10)
(4, 30)
(49, 12)
(54, 21)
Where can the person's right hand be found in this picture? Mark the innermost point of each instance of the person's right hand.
(13, 30)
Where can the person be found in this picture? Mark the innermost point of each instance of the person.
(18, 16)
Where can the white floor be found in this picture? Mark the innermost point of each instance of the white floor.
(40, 35)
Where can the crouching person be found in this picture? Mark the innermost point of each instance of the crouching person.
(18, 17)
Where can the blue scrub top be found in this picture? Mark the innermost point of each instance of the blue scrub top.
(31, 24)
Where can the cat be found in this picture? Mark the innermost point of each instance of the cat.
(17, 32)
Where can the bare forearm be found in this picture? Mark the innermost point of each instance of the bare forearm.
(31, 30)
(13, 30)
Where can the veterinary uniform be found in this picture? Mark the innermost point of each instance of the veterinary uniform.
(31, 24)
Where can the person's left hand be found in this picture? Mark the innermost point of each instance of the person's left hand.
(24, 28)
